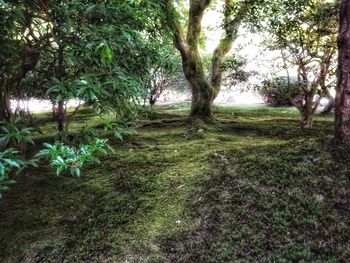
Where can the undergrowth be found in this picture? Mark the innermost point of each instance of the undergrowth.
(249, 187)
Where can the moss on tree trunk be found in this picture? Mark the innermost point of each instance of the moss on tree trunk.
(204, 88)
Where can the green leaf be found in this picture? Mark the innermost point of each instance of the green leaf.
(8, 182)
(11, 162)
(2, 169)
(59, 170)
(75, 171)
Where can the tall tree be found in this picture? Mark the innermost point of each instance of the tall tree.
(204, 90)
(23, 34)
(87, 50)
(342, 100)
(306, 30)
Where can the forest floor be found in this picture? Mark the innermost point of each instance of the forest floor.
(252, 186)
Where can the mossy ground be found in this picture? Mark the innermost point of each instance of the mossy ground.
(250, 187)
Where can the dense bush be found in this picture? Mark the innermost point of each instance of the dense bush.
(278, 91)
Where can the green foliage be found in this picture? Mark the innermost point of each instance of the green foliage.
(117, 129)
(8, 163)
(166, 74)
(64, 157)
(85, 134)
(84, 50)
(278, 91)
(233, 69)
(15, 132)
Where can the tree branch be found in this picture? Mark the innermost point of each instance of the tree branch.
(172, 19)
(231, 26)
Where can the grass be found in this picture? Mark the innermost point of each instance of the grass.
(250, 187)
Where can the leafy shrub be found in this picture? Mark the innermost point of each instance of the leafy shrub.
(14, 133)
(69, 158)
(277, 91)
(9, 162)
(118, 130)
(85, 134)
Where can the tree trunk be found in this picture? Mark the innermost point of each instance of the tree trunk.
(307, 113)
(54, 109)
(342, 100)
(307, 107)
(5, 102)
(204, 91)
(61, 112)
(61, 117)
(29, 60)
(202, 100)
(306, 119)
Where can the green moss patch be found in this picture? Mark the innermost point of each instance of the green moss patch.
(251, 186)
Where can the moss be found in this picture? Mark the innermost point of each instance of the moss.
(249, 186)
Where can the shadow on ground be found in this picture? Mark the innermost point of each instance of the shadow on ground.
(251, 186)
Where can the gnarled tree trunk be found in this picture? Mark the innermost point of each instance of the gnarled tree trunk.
(204, 90)
(342, 100)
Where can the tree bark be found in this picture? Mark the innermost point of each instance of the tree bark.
(61, 112)
(307, 112)
(204, 91)
(5, 102)
(306, 120)
(61, 116)
(342, 100)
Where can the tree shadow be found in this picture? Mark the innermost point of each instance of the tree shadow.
(267, 203)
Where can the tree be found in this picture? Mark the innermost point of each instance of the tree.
(23, 35)
(96, 54)
(87, 50)
(306, 29)
(165, 75)
(204, 90)
(342, 101)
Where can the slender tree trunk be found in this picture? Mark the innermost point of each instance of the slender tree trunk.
(342, 100)
(307, 106)
(61, 112)
(285, 66)
(61, 116)
(28, 62)
(307, 113)
(5, 102)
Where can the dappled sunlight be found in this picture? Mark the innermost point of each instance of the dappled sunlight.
(194, 131)
(37, 106)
